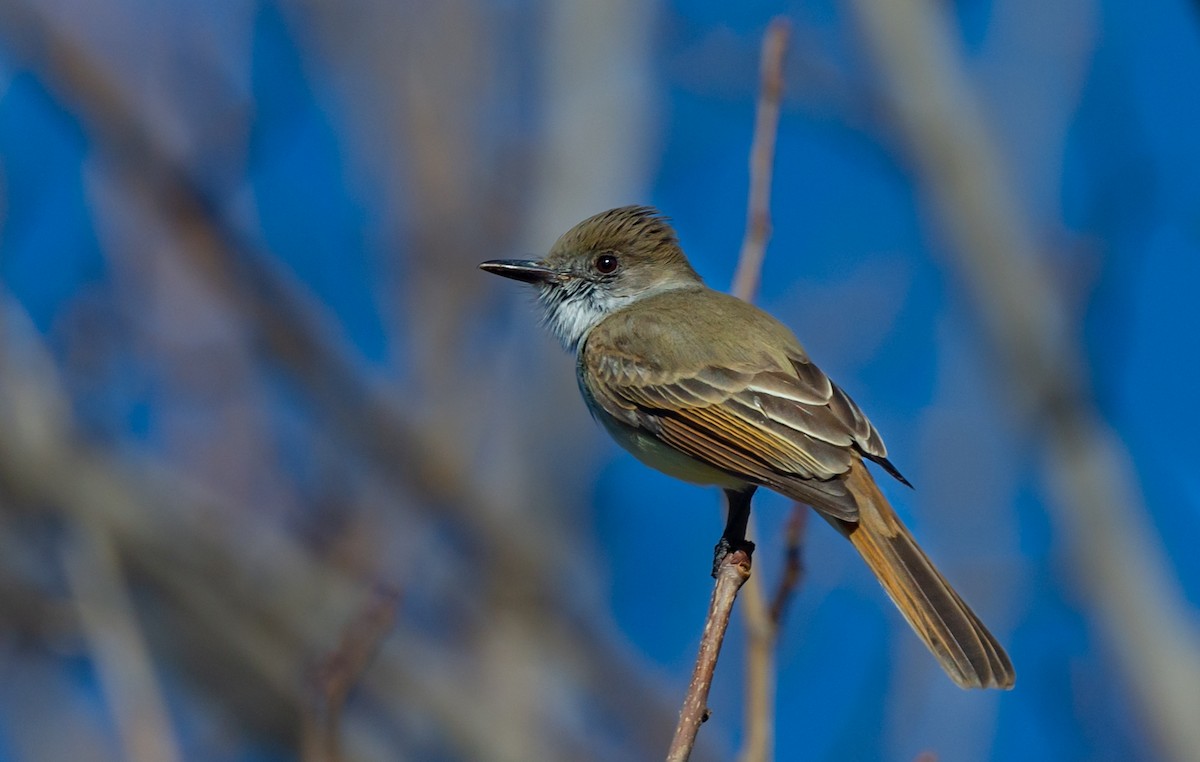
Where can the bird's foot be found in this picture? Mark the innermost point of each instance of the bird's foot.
(726, 547)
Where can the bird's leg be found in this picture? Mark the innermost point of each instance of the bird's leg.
(734, 536)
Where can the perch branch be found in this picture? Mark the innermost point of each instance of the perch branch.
(731, 575)
(735, 570)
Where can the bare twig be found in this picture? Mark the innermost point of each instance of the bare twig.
(1089, 474)
(760, 675)
(762, 633)
(340, 671)
(762, 160)
(760, 681)
(793, 569)
(732, 574)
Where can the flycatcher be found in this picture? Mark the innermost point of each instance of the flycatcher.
(712, 390)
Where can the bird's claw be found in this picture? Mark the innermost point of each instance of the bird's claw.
(727, 546)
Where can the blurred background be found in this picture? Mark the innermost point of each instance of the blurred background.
(283, 475)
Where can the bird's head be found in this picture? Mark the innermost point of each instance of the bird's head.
(603, 264)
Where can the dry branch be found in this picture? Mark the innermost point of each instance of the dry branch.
(731, 575)
(761, 630)
(762, 635)
(762, 160)
(735, 570)
(793, 562)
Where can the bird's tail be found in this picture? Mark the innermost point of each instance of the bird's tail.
(951, 631)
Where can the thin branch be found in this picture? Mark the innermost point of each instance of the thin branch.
(793, 568)
(762, 634)
(732, 574)
(761, 628)
(762, 160)
(340, 671)
(760, 676)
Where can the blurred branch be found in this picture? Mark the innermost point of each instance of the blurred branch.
(230, 575)
(367, 421)
(731, 575)
(762, 160)
(286, 319)
(117, 645)
(1121, 568)
(793, 567)
(761, 628)
(338, 673)
(762, 635)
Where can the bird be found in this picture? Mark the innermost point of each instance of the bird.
(712, 390)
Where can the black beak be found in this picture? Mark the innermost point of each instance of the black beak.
(524, 270)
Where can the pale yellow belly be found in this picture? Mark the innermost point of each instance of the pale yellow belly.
(649, 450)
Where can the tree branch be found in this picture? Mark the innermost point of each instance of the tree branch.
(731, 575)
(735, 569)
(793, 568)
(762, 626)
(761, 629)
(762, 160)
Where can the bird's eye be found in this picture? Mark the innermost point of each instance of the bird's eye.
(606, 264)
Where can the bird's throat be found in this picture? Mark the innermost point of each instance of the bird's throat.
(570, 312)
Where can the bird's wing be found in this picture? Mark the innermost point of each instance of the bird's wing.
(786, 427)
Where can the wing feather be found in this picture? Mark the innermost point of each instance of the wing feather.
(775, 420)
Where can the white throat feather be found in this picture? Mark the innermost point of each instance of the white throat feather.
(573, 308)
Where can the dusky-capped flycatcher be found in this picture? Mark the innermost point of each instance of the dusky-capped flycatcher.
(707, 388)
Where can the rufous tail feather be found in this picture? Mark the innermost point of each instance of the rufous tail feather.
(949, 628)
